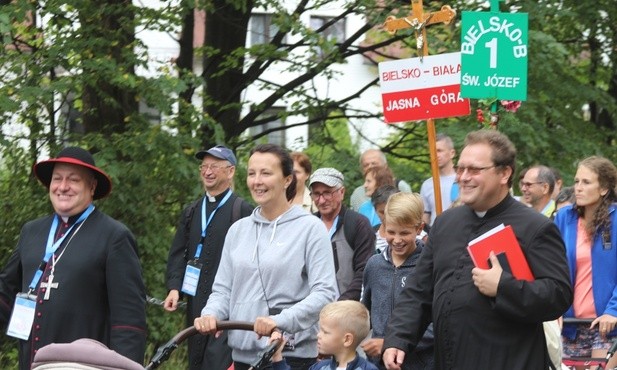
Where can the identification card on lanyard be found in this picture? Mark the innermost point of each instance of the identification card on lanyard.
(191, 278)
(22, 317)
(193, 267)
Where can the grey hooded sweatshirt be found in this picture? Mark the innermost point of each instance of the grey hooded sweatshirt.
(283, 269)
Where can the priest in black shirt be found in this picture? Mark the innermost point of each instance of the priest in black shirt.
(482, 318)
(77, 269)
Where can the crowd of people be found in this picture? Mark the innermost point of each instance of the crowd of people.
(358, 287)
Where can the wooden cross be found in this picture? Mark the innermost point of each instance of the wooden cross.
(419, 21)
(49, 285)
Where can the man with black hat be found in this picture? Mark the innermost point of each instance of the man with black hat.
(196, 251)
(74, 274)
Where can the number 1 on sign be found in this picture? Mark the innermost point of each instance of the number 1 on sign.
(493, 57)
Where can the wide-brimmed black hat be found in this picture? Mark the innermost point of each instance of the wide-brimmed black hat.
(78, 156)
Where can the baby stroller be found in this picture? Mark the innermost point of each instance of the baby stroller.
(89, 354)
(587, 362)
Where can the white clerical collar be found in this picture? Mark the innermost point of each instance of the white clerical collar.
(215, 198)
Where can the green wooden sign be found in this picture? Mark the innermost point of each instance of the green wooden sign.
(494, 55)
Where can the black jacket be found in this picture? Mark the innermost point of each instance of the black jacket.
(473, 331)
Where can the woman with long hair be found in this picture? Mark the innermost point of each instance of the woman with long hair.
(276, 270)
(589, 229)
(374, 178)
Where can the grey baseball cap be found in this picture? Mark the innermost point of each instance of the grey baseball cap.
(329, 176)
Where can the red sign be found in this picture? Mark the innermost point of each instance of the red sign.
(415, 89)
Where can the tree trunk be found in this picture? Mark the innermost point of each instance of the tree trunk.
(185, 66)
(107, 104)
(226, 29)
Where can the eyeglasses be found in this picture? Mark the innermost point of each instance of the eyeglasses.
(214, 167)
(327, 195)
(528, 184)
(472, 171)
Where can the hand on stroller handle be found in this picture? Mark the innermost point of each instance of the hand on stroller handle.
(164, 351)
(606, 322)
(604, 330)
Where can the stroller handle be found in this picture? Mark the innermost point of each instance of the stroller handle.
(220, 325)
(164, 351)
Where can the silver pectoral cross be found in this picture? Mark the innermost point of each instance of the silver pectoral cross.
(49, 285)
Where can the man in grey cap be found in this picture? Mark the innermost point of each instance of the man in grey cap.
(196, 251)
(353, 239)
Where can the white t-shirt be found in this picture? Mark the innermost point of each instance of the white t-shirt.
(428, 194)
(380, 243)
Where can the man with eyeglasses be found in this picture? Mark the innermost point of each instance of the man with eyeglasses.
(537, 188)
(196, 251)
(353, 238)
(482, 318)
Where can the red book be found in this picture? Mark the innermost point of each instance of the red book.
(500, 239)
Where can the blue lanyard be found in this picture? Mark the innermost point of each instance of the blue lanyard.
(204, 223)
(52, 247)
(333, 228)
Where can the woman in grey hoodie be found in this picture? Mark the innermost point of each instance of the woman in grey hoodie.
(276, 269)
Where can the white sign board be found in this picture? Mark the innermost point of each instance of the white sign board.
(417, 89)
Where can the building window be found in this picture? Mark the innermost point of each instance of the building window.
(261, 29)
(273, 116)
(334, 31)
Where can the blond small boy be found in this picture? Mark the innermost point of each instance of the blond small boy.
(343, 325)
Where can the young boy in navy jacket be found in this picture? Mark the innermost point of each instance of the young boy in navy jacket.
(342, 326)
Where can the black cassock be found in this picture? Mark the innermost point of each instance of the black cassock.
(100, 292)
(473, 331)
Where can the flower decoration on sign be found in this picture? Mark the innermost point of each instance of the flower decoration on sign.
(488, 110)
(510, 105)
